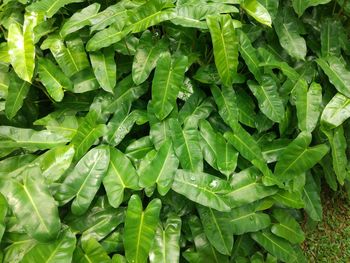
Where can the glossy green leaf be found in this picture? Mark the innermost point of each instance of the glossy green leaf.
(3, 209)
(17, 92)
(225, 45)
(247, 188)
(301, 5)
(12, 137)
(149, 14)
(120, 175)
(226, 156)
(217, 229)
(249, 55)
(336, 111)
(140, 228)
(257, 11)
(87, 133)
(161, 170)
(298, 157)
(90, 251)
(308, 103)
(166, 245)
(337, 73)
(112, 14)
(330, 31)
(54, 80)
(21, 48)
(289, 36)
(49, 7)
(60, 251)
(186, 146)
(33, 205)
(287, 228)
(225, 100)
(83, 182)
(204, 250)
(208, 143)
(312, 199)
(270, 102)
(63, 54)
(120, 125)
(107, 37)
(245, 219)
(338, 145)
(167, 80)
(147, 54)
(79, 19)
(105, 69)
(202, 188)
(275, 245)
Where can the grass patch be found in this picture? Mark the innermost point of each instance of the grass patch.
(329, 240)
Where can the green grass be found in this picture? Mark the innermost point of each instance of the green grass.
(329, 240)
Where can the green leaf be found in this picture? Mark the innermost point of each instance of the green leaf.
(308, 103)
(250, 55)
(301, 5)
(217, 229)
(63, 54)
(289, 199)
(245, 219)
(32, 140)
(161, 170)
(167, 80)
(3, 210)
(289, 36)
(140, 228)
(257, 11)
(312, 199)
(120, 175)
(107, 37)
(204, 250)
(208, 143)
(226, 156)
(79, 19)
(90, 251)
(147, 54)
(225, 46)
(186, 146)
(336, 111)
(298, 157)
(275, 245)
(112, 14)
(49, 7)
(120, 125)
(54, 80)
(166, 245)
(87, 133)
(104, 68)
(149, 14)
(337, 73)
(247, 188)
(17, 92)
(338, 145)
(287, 228)
(202, 188)
(330, 31)
(55, 162)
(83, 182)
(245, 144)
(225, 100)
(60, 250)
(33, 205)
(270, 103)
(98, 222)
(21, 48)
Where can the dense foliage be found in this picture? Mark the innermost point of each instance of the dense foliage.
(163, 130)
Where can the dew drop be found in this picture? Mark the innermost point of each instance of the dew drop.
(214, 183)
